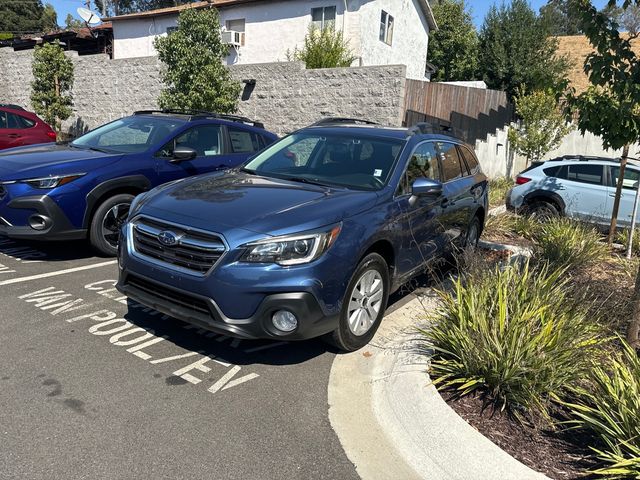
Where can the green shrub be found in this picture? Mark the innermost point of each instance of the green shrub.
(514, 333)
(498, 189)
(564, 243)
(610, 408)
(511, 225)
(622, 237)
(324, 48)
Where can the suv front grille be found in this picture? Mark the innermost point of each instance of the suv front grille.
(194, 251)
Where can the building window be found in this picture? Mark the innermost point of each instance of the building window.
(323, 17)
(237, 26)
(386, 28)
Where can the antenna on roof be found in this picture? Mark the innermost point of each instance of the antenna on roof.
(89, 17)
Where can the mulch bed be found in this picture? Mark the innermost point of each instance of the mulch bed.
(559, 455)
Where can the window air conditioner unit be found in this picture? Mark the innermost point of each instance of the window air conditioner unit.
(233, 38)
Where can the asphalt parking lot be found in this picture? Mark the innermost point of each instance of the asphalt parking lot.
(95, 387)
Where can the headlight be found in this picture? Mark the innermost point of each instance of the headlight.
(291, 249)
(52, 182)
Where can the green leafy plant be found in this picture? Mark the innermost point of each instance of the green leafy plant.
(610, 408)
(498, 188)
(324, 48)
(195, 77)
(564, 243)
(453, 47)
(622, 237)
(512, 225)
(513, 332)
(542, 124)
(52, 83)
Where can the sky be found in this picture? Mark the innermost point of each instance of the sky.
(478, 7)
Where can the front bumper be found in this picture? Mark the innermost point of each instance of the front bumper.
(205, 313)
(54, 223)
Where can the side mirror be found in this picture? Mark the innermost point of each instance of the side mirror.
(183, 154)
(425, 187)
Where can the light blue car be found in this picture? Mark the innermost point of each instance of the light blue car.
(582, 188)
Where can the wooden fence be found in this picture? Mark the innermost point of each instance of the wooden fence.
(473, 112)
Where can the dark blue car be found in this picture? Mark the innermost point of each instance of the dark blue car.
(309, 237)
(84, 189)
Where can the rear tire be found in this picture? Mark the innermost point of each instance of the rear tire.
(542, 211)
(364, 304)
(472, 236)
(107, 220)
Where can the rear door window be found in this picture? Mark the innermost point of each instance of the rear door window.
(451, 162)
(470, 159)
(243, 141)
(584, 173)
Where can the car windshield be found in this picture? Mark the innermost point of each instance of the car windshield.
(129, 135)
(349, 160)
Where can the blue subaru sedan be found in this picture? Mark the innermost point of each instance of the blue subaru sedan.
(309, 237)
(84, 189)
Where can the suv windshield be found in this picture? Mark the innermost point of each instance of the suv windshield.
(129, 135)
(351, 161)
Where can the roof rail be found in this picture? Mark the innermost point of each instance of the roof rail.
(441, 128)
(583, 158)
(202, 114)
(343, 121)
(11, 105)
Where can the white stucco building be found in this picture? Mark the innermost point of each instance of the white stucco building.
(380, 32)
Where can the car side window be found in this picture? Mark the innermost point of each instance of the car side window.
(451, 162)
(206, 140)
(470, 159)
(584, 173)
(630, 180)
(3, 120)
(14, 121)
(243, 141)
(422, 164)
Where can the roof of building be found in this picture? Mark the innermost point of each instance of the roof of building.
(424, 5)
(576, 48)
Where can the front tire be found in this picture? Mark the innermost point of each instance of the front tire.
(542, 211)
(107, 220)
(364, 304)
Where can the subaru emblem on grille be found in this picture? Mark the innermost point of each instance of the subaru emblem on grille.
(168, 238)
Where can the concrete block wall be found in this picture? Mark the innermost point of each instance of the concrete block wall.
(285, 96)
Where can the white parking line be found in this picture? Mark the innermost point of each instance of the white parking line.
(59, 272)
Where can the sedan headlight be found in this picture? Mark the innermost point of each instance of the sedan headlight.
(291, 249)
(51, 182)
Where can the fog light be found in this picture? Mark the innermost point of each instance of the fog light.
(285, 321)
(39, 222)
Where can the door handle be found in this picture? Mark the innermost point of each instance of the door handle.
(445, 203)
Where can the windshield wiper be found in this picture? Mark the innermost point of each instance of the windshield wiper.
(95, 149)
(305, 180)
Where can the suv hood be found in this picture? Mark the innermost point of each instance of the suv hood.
(50, 159)
(263, 205)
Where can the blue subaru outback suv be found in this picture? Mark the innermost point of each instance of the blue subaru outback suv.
(84, 189)
(307, 238)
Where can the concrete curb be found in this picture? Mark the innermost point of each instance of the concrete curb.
(393, 424)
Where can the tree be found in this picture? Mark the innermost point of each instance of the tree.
(516, 49)
(52, 83)
(629, 19)
(453, 47)
(195, 77)
(72, 23)
(21, 17)
(560, 18)
(542, 125)
(49, 18)
(324, 48)
(610, 108)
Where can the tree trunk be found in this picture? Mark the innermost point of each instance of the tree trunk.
(633, 332)
(616, 201)
(57, 124)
